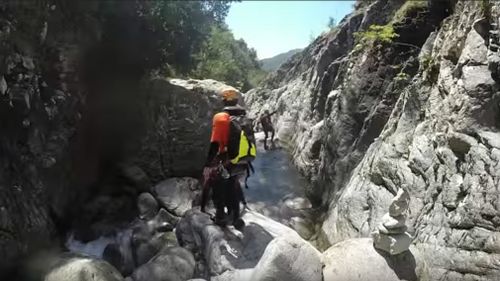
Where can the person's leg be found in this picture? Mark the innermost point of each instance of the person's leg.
(205, 192)
(218, 198)
(234, 201)
(265, 138)
(272, 135)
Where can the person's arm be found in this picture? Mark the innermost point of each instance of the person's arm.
(272, 113)
(212, 153)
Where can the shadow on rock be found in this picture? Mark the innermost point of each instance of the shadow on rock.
(357, 260)
(403, 265)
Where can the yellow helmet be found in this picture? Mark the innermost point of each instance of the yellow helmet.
(229, 95)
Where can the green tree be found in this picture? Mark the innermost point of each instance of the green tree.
(179, 28)
(226, 59)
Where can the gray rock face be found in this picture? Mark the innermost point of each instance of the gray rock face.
(331, 100)
(37, 125)
(177, 194)
(178, 123)
(432, 130)
(68, 124)
(432, 146)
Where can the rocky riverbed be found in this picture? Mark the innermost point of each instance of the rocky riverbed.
(169, 217)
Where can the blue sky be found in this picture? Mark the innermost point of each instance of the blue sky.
(273, 27)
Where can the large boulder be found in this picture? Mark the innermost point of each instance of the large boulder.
(358, 260)
(78, 268)
(149, 237)
(147, 205)
(177, 194)
(170, 264)
(289, 258)
(134, 175)
(226, 249)
(145, 248)
(178, 124)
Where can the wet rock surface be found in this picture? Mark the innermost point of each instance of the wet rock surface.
(170, 264)
(176, 195)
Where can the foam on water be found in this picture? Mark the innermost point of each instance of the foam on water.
(95, 248)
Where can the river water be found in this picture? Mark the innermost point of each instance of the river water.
(276, 182)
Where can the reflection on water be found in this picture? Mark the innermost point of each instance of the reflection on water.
(275, 180)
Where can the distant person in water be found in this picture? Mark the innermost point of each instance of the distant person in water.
(267, 126)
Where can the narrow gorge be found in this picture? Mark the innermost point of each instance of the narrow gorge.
(386, 164)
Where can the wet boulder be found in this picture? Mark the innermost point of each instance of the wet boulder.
(79, 268)
(146, 242)
(117, 257)
(134, 175)
(227, 249)
(170, 264)
(289, 258)
(176, 195)
(147, 206)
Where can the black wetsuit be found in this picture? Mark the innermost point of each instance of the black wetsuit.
(226, 193)
(267, 126)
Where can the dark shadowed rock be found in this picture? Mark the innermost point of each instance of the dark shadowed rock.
(170, 264)
(114, 255)
(75, 268)
(147, 206)
(136, 176)
(177, 194)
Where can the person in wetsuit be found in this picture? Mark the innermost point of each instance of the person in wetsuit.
(222, 177)
(267, 126)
